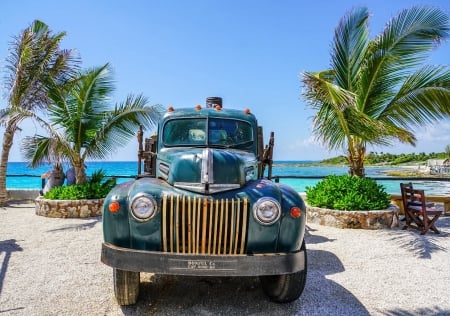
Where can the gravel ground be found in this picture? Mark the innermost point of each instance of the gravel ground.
(52, 266)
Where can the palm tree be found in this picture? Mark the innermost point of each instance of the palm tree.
(377, 91)
(82, 125)
(447, 151)
(35, 59)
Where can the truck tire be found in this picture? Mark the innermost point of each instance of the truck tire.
(126, 286)
(285, 288)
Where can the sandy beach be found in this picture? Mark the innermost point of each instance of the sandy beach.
(51, 266)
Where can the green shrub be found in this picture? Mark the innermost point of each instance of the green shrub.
(96, 188)
(348, 193)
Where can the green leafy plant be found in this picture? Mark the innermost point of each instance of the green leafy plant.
(96, 188)
(82, 124)
(379, 91)
(348, 193)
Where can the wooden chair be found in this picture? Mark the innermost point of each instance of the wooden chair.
(405, 201)
(417, 210)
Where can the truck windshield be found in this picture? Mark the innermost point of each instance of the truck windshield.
(207, 131)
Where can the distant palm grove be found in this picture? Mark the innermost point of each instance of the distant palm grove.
(374, 158)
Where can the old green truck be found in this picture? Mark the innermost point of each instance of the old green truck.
(204, 204)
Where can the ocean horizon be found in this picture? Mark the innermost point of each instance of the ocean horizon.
(21, 176)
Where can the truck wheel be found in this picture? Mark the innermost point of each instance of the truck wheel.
(126, 286)
(285, 288)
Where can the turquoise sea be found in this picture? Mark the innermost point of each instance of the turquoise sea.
(20, 176)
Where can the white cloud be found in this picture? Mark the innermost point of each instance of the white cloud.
(431, 138)
(438, 133)
(301, 149)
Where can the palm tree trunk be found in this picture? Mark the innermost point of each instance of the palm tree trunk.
(8, 137)
(356, 157)
(80, 172)
(357, 168)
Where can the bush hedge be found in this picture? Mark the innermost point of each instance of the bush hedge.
(348, 193)
(96, 188)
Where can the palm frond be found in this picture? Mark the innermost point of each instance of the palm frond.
(413, 33)
(392, 56)
(35, 60)
(121, 124)
(320, 88)
(38, 150)
(327, 128)
(350, 42)
(95, 89)
(423, 98)
(331, 101)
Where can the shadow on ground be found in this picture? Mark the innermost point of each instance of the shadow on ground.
(7, 247)
(18, 204)
(88, 223)
(422, 246)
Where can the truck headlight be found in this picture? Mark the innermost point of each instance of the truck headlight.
(143, 207)
(267, 210)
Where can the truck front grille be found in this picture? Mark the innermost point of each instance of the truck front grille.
(196, 225)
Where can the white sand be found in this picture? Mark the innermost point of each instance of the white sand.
(52, 266)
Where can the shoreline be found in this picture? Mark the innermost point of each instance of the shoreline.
(298, 176)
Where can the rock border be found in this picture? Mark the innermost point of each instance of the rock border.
(69, 208)
(379, 219)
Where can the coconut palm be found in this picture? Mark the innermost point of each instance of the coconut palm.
(447, 151)
(35, 59)
(82, 124)
(377, 91)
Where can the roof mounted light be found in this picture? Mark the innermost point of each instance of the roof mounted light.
(170, 109)
(212, 102)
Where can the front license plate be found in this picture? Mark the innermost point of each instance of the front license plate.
(196, 265)
(201, 265)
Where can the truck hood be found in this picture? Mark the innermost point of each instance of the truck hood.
(206, 170)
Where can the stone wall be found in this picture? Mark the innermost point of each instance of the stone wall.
(69, 208)
(353, 219)
(22, 194)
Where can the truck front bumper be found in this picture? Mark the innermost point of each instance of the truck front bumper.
(201, 265)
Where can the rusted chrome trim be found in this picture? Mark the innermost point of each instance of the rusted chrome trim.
(201, 188)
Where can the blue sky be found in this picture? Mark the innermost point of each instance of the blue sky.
(250, 52)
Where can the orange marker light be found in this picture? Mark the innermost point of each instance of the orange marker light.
(114, 207)
(198, 107)
(296, 212)
(247, 111)
(218, 107)
(170, 109)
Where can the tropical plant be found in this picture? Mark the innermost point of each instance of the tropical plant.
(345, 192)
(81, 124)
(35, 60)
(97, 187)
(376, 91)
(447, 151)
